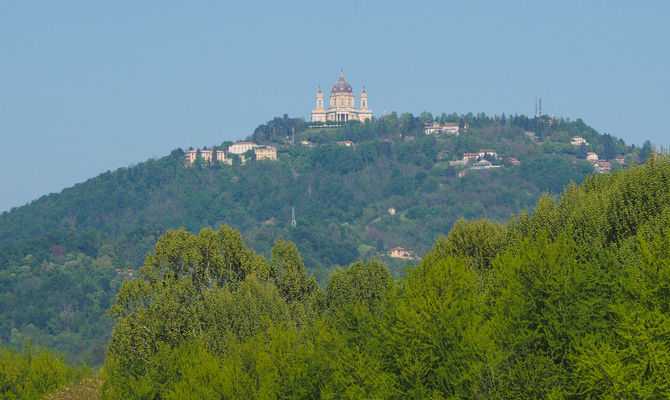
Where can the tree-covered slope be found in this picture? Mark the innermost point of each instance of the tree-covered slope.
(571, 301)
(393, 165)
(63, 256)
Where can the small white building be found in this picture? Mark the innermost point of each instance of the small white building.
(484, 164)
(591, 157)
(241, 147)
(488, 152)
(453, 128)
(449, 128)
(577, 141)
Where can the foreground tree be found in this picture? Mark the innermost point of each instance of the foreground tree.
(569, 301)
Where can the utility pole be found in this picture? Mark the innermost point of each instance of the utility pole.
(293, 217)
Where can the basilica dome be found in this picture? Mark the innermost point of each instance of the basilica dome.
(342, 86)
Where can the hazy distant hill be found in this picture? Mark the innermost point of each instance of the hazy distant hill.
(64, 255)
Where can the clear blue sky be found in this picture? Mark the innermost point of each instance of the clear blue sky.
(91, 86)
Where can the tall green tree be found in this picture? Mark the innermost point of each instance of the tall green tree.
(479, 241)
(434, 337)
(609, 147)
(366, 283)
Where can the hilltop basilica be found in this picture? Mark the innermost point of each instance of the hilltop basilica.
(342, 107)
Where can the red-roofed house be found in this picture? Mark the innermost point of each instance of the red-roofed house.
(602, 166)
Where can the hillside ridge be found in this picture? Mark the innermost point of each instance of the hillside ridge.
(396, 188)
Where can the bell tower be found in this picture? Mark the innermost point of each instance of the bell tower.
(364, 100)
(319, 114)
(364, 113)
(319, 100)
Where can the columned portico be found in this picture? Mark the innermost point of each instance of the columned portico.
(342, 117)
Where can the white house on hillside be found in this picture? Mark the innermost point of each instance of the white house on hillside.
(591, 156)
(577, 141)
(241, 147)
(488, 152)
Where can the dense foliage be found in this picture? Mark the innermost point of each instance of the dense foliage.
(569, 301)
(32, 372)
(60, 302)
(64, 256)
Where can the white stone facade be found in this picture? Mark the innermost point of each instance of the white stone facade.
(241, 147)
(342, 106)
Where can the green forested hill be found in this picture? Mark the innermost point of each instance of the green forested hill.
(571, 301)
(63, 256)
